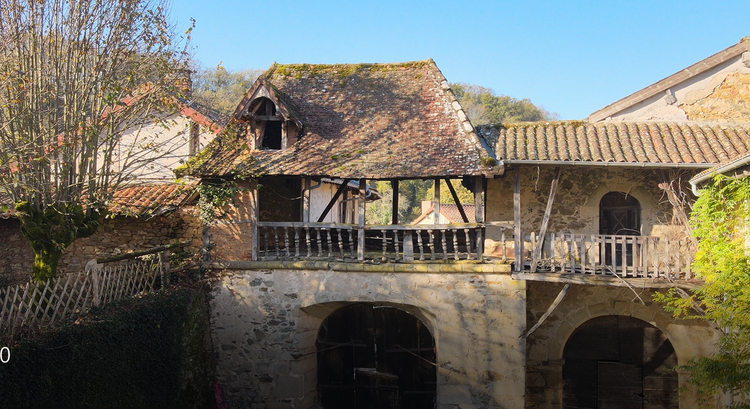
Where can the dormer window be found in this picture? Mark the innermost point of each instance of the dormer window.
(267, 124)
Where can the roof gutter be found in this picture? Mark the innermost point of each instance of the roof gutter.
(643, 165)
(694, 182)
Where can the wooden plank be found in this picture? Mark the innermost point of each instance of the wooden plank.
(549, 311)
(459, 206)
(333, 200)
(361, 220)
(394, 204)
(518, 248)
(479, 213)
(255, 218)
(545, 220)
(436, 211)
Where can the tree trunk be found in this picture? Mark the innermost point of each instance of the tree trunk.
(52, 230)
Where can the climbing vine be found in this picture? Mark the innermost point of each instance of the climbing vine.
(719, 220)
(213, 197)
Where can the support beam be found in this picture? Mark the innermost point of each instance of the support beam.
(518, 241)
(551, 309)
(436, 205)
(545, 220)
(306, 200)
(335, 197)
(394, 208)
(255, 218)
(459, 206)
(361, 219)
(479, 213)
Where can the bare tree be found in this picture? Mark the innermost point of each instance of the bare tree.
(74, 74)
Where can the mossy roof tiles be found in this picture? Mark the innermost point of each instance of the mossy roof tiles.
(374, 121)
(669, 144)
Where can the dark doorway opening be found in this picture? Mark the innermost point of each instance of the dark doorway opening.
(619, 214)
(617, 362)
(375, 357)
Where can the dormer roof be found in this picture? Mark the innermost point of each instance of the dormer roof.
(373, 121)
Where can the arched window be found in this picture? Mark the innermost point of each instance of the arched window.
(619, 213)
(618, 362)
(375, 356)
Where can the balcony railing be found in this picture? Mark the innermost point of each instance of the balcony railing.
(624, 256)
(384, 243)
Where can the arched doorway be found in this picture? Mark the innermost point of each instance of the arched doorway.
(618, 362)
(375, 357)
(619, 214)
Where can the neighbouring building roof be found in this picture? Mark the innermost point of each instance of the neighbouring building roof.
(136, 201)
(725, 167)
(373, 121)
(660, 87)
(203, 116)
(654, 144)
(449, 211)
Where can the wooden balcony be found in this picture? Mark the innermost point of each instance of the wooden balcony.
(379, 243)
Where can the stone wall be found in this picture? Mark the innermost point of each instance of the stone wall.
(545, 346)
(114, 236)
(265, 324)
(576, 205)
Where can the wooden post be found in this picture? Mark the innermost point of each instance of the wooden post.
(436, 206)
(518, 247)
(479, 213)
(306, 200)
(394, 207)
(254, 219)
(361, 220)
(545, 221)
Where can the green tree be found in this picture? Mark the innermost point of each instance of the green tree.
(483, 106)
(719, 220)
(73, 75)
(220, 89)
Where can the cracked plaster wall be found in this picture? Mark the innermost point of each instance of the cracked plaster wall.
(721, 94)
(265, 323)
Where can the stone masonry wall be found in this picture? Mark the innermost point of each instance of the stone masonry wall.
(545, 346)
(576, 205)
(265, 324)
(114, 236)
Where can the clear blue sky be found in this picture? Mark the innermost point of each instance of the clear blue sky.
(570, 57)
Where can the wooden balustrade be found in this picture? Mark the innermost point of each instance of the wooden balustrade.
(386, 243)
(625, 256)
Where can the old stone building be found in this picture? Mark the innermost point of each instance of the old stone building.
(542, 300)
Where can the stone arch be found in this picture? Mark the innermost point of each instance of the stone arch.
(617, 361)
(374, 355)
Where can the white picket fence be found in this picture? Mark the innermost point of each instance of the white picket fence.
(64, 298)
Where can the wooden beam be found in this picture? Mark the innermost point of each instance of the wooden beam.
(479, 213)
(394, 207)
(551, 308)
(459, 206)
(306, 200)
(436, 205)
(333, 200)
(518, 247)
(255, 216)
(361, 220)
(545, 220)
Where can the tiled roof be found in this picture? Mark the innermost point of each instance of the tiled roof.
(136, 201)
(450, 212)
(359, 121)
(722, 168)
(638, 143)
(204, 116)
(143, 200)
